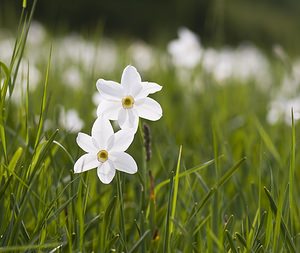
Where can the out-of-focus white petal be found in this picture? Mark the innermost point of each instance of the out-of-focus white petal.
(131, 81)
(86, 143)
(121, 140)
(148, 88)
(86, 162)
(102, 131)
(106, 172)
(109, 109)
(110, 90)
(97, 98)
(149, 109)
(128, 118)
(124, 162)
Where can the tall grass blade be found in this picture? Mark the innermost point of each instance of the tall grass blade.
(231, 243)
(268, 141)
(166, 246)
(44, 103)
(283, 227)
(292, 206)
(175, 193)
(138, 243)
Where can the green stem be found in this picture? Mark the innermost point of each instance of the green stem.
(122, 225)
(144, 188)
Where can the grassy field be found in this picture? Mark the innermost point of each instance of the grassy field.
(223, 171)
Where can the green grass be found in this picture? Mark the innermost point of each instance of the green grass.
(221, 179)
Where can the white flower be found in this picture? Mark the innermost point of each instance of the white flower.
(70, 120)
(128, 101)
(186, 51)
(105, 150)
(37, 34)
(72, 77)
(281, 109)
(27, 71)
(142, 55)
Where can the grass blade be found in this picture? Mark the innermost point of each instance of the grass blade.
(167, 229)
(175, 193)
(283, 227)
(137, 244)
(231, 243)
(229, 173)
(185, 173)
(44, 103)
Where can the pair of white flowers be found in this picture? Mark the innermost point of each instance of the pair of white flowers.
(124, 102)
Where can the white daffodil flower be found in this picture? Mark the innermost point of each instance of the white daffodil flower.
(128, 101)
(105, 150)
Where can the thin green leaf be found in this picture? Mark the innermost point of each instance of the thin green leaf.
(137, 244)
(283, 227)
(44, 103)
(167, 238)
(231, 243)
(185, 173)
(175, 193)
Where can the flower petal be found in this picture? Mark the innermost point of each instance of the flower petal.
(86, 162)
(110, 90)
(131, 81)
(106, 172)
(128, 118)
(109, 109)
(149, 109)
(102, 131)
(148, 88)
(85, 142)
(124, 162)
(121, 140)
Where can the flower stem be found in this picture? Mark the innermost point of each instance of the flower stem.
(144, 189)
(122, 225)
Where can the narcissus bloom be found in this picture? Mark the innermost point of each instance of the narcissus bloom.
(128, 101)
(105, 151)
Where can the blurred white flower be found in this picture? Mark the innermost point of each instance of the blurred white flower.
(107, 56)
(250, 63)
(25, 73)
(76, 50)
(106, 151)
(185, 51)
(280, 109)
(243, 63)
(36, 35)
(291, 80)
(97, 98)
(6, 49)
(128, 101)
(71, 77)
(70, 120)
(142, 55)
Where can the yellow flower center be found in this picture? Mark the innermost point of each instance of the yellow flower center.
(102, 156)
(127, 102)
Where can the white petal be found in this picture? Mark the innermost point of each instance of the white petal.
(131, 81)
(121, 140)
(110, 90)
(124, 162)
(149, 109)
(128, 118)
(148, 88)
(86, 162)
(109, 109)
(86, 143)
(106, 172)
(102, 131)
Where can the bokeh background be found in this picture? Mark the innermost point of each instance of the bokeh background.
(217, 22)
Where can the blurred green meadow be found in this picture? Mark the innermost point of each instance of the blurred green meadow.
(224, 167)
